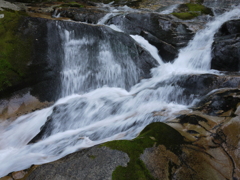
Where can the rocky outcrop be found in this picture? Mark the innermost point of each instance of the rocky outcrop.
(25, 58)
(39, 62)
(88, 15)
(225, 49)
(160, 30)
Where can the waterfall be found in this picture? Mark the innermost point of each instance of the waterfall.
(117, 111)
(94, 59)
(197, 55)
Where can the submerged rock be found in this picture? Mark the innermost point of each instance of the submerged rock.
(226, 47)
(195, 86)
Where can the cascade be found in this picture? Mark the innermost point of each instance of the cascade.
(92, 59)
(101, 113)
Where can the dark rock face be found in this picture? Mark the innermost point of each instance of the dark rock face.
(82, 14)
(89, 164)
(42, 69)
(124, 51)
(160, 30)
(221, 3)
(226, 47)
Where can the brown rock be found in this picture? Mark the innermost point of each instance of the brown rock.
(18, 174)
(6, 178)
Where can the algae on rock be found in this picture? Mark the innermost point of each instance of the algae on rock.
(190, 11)
(14, 50)
(153, 135)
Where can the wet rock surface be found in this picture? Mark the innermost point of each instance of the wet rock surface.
(160, 30)
(40, 69)
(225, 49)
(198, 85)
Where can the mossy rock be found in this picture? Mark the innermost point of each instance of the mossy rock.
(190, 11)
(186, 15)
(15, 51)
(153, 135)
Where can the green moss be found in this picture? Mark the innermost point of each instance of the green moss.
(153, 134)
(199, 8)
(190, 11)
(14, 52)
(186, 15)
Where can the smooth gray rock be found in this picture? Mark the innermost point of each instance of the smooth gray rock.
(96, 163)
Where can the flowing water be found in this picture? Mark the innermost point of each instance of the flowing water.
(107, 113)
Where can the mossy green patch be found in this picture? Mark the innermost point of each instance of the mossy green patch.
(190, 11)
(199, 8)
(154, 134)
(14, 51)
(186, 15)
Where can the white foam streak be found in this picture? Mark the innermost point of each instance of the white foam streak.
(150, 48)
(170, 9)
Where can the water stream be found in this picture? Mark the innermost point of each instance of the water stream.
(107, 113)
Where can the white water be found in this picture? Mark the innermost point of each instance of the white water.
(90, 63)
(150, 48)
(170, 9)
(114, 11)
(105, 114)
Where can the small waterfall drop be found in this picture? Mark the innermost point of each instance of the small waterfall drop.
(95, 116)
(93, 61)
(197, 55)
(150, 48)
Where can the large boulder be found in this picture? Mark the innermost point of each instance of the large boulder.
(226, 47)
(160, 30)
(26, 61)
